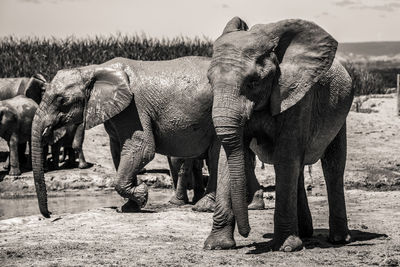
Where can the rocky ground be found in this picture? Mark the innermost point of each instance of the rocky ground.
(165, 235)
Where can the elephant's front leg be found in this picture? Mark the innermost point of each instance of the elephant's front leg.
(303, 211)
(286, 233)
(221, 236)
(14, 159)
(136, 152)
(255, 193)
(55, 155)
(77, 145)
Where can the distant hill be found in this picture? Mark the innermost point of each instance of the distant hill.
(370, 48)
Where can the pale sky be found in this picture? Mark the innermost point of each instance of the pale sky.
(346, 20)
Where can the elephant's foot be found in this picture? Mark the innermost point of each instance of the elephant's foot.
(178, 201)
(220, 240)
(83, 165)
(129, 207)
(291, 243)
(206, 204)
(197, 197)
(137, 196)
(258, 201)
(14, 172)
(344, 238)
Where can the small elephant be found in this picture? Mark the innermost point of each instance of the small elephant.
(186, 174)
(70, 138)
(279, 93)
(16, 116)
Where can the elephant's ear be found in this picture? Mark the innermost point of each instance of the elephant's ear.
(305, 52)
(108, 94)
(35, 88)
(235, 24)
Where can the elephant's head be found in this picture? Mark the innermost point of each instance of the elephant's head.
(268, 68)
(91, 95)
(8, 120)
(35, 88)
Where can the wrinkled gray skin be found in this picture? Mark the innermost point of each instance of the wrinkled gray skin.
(278, 90)
(146, 107)
(30, 87)
(16, 115)
(187, 174)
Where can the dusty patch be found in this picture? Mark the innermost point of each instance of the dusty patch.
(163, 235)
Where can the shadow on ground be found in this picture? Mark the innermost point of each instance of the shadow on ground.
(318, 240)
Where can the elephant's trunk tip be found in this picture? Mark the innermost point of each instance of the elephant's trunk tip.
(244, 231)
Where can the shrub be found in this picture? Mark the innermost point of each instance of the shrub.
(365, 82)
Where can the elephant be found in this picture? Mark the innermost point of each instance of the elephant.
(16, 115)
(70, 138)
(146, 107)
(30, 87)
(280, 93)
(186, 174)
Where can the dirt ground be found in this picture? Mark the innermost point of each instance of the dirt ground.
(165, 235)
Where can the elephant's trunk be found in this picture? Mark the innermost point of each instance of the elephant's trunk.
(228, 119)
(38, 128)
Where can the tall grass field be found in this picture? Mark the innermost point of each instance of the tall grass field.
(23, 57)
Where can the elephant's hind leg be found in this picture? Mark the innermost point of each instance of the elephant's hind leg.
(198, 184)
(207, 202)
(136, 152)
(179, 176)
(303, 211)
(333, 165)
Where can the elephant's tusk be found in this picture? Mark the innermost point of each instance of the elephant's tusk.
(45, 132)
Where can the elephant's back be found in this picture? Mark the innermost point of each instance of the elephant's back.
(10, 87)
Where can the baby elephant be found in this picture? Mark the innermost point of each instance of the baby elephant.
(71, 140)
(16, 115)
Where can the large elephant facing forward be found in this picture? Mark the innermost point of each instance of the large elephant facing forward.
(278, 90)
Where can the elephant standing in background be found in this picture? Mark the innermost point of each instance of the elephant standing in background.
(16, 115)
(70, 138)
(186, 174)
(146, 107)
(32, 88)
(279, 92)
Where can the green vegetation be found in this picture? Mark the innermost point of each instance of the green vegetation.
(27, 56)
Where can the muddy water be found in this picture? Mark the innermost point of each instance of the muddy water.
(68, 203)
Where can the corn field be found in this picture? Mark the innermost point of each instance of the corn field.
(27, 56)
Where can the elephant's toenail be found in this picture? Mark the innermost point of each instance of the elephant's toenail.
(287, 249)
